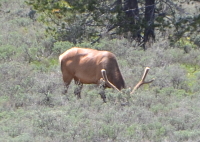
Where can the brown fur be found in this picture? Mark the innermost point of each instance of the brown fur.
(84, 66)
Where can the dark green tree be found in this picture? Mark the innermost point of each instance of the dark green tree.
(140, 20)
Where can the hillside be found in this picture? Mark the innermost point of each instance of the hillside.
(33, 107)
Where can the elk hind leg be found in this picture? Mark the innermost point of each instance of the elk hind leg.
(67, 81)
(78, 89)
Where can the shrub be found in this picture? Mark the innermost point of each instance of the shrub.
(186, 135)
(195, 84)
(197, 40)
(60, 47)
(8, 52)
(172, 75)
(192, 58)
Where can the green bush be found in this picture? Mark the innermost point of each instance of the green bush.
(8, 52)
(197, 40)
(60, 47)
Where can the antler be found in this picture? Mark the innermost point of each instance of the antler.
(103, 72)
(142, 81)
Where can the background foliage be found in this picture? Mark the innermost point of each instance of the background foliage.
(139, 20)
(33, 108)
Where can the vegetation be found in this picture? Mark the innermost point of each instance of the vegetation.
(33, 108)
(139, 20)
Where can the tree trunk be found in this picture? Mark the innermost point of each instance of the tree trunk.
(131, 11)
(131, 8)
(149, 21)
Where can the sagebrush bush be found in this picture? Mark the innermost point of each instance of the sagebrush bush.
(192, 58)
(60, 47)
(197, 40)
(171, 76)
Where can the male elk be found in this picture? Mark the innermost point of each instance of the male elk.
(89, 66)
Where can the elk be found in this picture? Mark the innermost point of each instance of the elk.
(90, 66)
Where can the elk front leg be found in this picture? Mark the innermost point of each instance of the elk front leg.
(66, 86)
(102, 87)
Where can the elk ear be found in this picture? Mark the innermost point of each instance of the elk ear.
(104, 75)
(142, 81)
